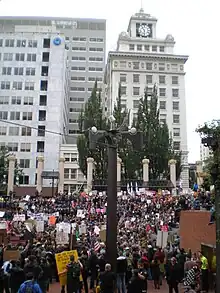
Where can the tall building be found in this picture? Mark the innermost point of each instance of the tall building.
(205, 153)
(85, 43)
(33, 95)
(141, 60)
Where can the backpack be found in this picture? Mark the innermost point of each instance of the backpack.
(29, 287)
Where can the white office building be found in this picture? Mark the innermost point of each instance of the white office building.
(33, 96)
(205, 153)
(141, 60)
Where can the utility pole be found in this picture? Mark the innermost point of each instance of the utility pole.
(211, 140)
(112, 137)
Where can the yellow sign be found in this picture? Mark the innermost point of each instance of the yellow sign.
(62, 260)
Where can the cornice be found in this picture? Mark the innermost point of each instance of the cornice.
(148, 56)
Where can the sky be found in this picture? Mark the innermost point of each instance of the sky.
(194, 24)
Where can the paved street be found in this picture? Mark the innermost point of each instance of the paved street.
(55, 288)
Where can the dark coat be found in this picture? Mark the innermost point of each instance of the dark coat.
(173, 274)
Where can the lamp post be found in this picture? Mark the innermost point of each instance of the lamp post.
(112, 137)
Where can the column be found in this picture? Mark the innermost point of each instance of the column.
(172, 164)
(119, 161)
(145, 163)
(199, 173)
(61, 175)
(90, 162)
(11, 173)
(40, 168)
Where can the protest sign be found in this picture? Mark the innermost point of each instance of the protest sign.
(11, 255)
(62, 260)
(19, 218)
(40, 226)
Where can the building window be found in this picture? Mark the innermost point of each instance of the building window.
(75, 110)
(5, 85)
(24, 180)
(41, 130)
(176, 119)
(43, 100)
(3, 130)
(161, 66)
(163, 118)
(123, 90)
(162, 79)
(174, 67)
(176, 106)
(136, 65)
(149, 79)
(40, 146)
(123, 77)
(14, 115)
(42, 115)
(9, 43)
(78, 48)
(24, 163)
(76, 58)
(73, 121)
(4, 100)
(175, 93)
(149, 66)
(162, 105)
(162, 48)
(176, 132)
(95, 59)
(123, 64)
(136, 91)
(21, 43)
(44, 85)
(1, 42)
(32, 44)
(31, 57)
(93, 78)
(131, 47)
(77, 89)
(73, 131)
(46, 43)
(76, 99)
(27, 115)
(19, 57)
(26, 131)
(78, 68)
(16, 100)
(29, 86)
(6, 70)
(136, 78)
(17, 86)
(12, 146)
(92, 49)
(147, 48)
(66, 173)
(7, 57)
(78, 78)
(139, 47)
(30, 71)
(13, 131)
(176, 145)
(45, 56)
(28, 101)
(175, 80)
(154, 48)
(18, 71)
(136, 104)
(3, 115)
(99, 69)
(162, 92)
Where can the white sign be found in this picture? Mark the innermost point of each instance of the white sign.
(19, 218)
(3, 225)
(40, 226)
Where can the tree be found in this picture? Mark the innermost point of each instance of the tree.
(4, 165)
(92, 115)
(158, 147)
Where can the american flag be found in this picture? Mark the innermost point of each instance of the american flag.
(97, 246)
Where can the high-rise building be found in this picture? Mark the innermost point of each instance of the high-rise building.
(141, 60)
(205, 153)
(33, 95)
(85, 44)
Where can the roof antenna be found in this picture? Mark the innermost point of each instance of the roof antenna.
(142, 9)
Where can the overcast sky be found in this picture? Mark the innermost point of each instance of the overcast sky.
(195, 25)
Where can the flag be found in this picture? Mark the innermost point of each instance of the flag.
(97, 246)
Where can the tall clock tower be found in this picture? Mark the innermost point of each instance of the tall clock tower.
(142, 25)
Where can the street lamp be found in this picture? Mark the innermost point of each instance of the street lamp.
(112, 138)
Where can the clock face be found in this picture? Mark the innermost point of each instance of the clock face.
(144, 30)
(57, 41)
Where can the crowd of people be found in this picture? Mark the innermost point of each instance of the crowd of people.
(40, 226)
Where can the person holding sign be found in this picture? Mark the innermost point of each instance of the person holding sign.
(73, 275)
